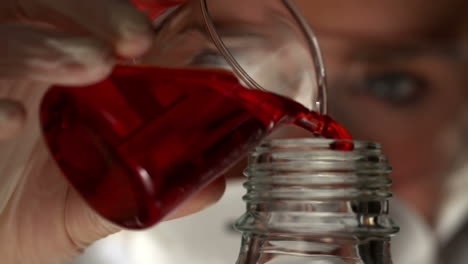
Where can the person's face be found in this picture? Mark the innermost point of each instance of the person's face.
(396, 76)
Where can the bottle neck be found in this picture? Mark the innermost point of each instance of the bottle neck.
(258, 249)
(307, 203)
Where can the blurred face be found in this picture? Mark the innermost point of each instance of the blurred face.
(397, 75)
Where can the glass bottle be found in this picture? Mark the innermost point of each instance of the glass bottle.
(309, 203)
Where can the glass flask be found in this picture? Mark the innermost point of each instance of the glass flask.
(220, 76)
(308, 203)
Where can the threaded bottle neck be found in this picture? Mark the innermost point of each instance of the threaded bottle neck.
(305, 198)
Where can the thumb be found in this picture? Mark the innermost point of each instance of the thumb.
(82, 224)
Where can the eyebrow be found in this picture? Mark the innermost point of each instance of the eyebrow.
(373, 47)
(450, 51)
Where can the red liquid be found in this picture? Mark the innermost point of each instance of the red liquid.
(153, 8)
(141, 142)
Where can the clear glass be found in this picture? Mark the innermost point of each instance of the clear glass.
(266, 43)
(165, 125)
(307, 203)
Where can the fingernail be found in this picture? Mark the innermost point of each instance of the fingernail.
(12, 118)
(135, 37)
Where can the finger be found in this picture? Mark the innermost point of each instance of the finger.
(206, 197)
(82, 223)
(51, 56)
(115, 21)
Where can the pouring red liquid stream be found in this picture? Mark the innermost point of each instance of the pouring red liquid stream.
(139, 143)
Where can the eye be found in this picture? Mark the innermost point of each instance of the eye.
(397, 88)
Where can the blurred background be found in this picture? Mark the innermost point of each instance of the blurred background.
(397, 74)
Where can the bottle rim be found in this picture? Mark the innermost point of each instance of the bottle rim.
(315, 144)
